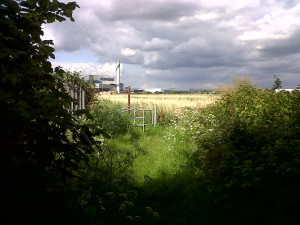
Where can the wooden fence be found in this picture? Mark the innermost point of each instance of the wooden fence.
(78, 94)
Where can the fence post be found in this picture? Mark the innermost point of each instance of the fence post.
(128, 99)
(143, 120)
(134, 114)
(155, 116)
(161, 116)
(79, 100)
(72, 96)
(83, 99)
(76, 97)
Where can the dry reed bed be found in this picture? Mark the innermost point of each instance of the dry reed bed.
(167, 102)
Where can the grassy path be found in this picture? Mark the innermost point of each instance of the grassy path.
(156, 154)
(158, 158)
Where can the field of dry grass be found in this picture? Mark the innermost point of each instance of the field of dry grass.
(167, 102)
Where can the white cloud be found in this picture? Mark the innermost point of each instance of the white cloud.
(187, 43)
(89, 68)
(157, 44)
(151, 58)
(230, 4)
(128, 52)
(258, 35)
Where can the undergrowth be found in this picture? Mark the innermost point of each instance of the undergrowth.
(235, 162)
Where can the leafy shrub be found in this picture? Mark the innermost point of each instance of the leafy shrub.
(71, 80)
(248, 151)
(41, 142)
(108, 116)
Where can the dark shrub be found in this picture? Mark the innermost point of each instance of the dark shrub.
(249, 154)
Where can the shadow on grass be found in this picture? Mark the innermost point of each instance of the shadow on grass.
(184, 199)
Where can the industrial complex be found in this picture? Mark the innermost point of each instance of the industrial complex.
(104, 83)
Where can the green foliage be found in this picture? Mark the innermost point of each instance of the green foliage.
(54, 171)
(249, 148)
(71, 80)
(110, 117)
(109, 193)
(32, 106)
(181, 199)
(277, 83)
(41, 142)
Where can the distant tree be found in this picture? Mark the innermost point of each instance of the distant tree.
(277, 83)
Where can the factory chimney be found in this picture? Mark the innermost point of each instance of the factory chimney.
(118, 71)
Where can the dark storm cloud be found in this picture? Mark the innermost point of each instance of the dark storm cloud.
(283, 47)
(150, 10)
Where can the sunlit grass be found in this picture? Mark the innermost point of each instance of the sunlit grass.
(167, 147)
(158, 152)
(159, 157)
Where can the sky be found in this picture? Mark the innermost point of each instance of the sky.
(183, 44)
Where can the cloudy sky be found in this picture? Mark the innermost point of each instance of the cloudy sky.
(185, 44)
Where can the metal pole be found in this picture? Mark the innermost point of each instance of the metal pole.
(118, 71)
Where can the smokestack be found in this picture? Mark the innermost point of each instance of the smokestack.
(118, 71)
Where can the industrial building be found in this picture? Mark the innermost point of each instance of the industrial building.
(158, 90)
(105, 83)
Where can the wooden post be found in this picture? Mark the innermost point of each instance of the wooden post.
(161, 116)
(134, 115)
(155, 117)
(83, 99)
(79, 99)
(143, 120)
(73, 97)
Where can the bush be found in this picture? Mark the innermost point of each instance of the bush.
(248, 152)
(110, 117)
(72, 80)
(236, 82)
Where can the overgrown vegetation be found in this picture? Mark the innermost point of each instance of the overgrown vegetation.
(248, 154)
(234, 162)
(235, 83)
(41, 142)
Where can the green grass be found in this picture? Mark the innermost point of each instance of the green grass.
(158, 153)
(160, 150)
